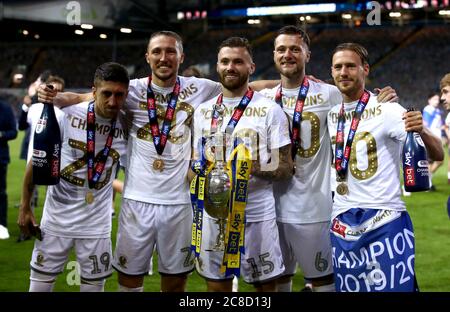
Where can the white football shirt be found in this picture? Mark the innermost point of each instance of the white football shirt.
(264, 121)
(374, 168)
(142, 182)
(306, 197)
(66, 212)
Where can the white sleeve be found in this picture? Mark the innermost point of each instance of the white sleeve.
(393, 120)
(214, 87)
(277, 128)
(335, 96)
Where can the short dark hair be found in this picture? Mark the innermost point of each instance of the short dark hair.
(355, 47)
(111, 71)
(237, 42)
(168, 33)
(293, 30)
(56, 79)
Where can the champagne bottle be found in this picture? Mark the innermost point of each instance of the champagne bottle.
(415, 163)
(46, 157)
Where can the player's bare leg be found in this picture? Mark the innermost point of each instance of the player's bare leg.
(220, 286)
(270, 286)
(129, 283)
(173, 283)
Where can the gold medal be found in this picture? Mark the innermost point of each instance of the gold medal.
(158, 164)
(342, 189)
(89, 197)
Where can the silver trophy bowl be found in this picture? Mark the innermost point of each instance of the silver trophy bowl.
(217, 192)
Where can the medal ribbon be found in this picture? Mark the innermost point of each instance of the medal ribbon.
(197, 190)
(95, 174)
(240, 163)
(237, 114)
(298, 110)
(342, 156)
(160, 137)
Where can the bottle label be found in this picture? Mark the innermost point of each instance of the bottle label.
(418, 139)
(40, 126)
(39, 153)
(55, 161)
(423, 163)
(55, 168)
(410, 176)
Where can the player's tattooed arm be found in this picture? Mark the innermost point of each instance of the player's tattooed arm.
(281, 166)
(26, 216)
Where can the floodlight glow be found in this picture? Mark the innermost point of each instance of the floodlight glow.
(87, 26)
(395, 14)
(292, 9)
(103, 36)
(125, 30)
(253, 21)
(79, 32)
(444, 12)
(346, 16)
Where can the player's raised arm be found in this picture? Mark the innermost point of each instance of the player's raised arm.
(61, 99)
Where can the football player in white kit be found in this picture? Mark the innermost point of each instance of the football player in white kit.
(304, 202)
(371, 233)
(77, 210)
(260, 119)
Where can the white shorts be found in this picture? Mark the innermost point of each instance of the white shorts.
(94, 256)
(261, 262)
(142, 226)
(308, 245)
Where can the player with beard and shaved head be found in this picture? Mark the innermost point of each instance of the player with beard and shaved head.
(263, 127)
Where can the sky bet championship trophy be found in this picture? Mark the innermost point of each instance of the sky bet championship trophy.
(220, 187)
